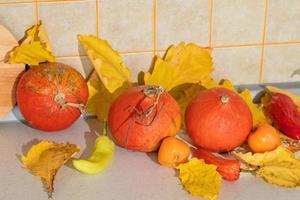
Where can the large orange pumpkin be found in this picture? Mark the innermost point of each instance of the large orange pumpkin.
(142, 116)
(51, 96)
(218, 120)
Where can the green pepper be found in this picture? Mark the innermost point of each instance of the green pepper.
(100, 157)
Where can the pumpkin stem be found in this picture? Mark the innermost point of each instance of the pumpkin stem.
(153, 90)
(148, 91)
(224, 99)
(60, 99)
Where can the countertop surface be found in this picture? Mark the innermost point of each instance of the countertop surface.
(131, 175)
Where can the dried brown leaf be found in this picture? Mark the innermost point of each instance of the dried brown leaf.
(45, 158)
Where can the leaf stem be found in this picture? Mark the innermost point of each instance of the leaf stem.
(104, 129)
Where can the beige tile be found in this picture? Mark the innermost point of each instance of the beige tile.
(138, 63)
(82, 64)
(64, 20)
(238, 22)
(179, 20)
(127, 24)
(240, 65)
(17, 18)
(280, 63)
(283, 22)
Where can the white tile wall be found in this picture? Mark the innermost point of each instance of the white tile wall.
(127, 25)
(138, 63)
(17, 17)
(64, 21)
(182, 20)
(241, 65)
(280, 63)
(238, 21)
(283, 21)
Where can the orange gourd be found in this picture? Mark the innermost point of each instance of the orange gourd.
(264, 138)
(172, 152)
(218, 120)
(142, 116)
(51, 96)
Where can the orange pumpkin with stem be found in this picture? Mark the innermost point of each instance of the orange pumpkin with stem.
(218, 120)
(142, 116)
(51, 96)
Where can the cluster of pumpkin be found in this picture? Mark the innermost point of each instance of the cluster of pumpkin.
(51, 96)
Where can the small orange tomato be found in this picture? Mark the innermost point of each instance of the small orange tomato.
(264, 138)
(172, 152)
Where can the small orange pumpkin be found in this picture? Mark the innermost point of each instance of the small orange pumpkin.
(51, 95)
(218, 120)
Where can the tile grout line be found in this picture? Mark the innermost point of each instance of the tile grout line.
(137, 52)
(255, 44)
(237, 45)
(282, 43)
(37, 12)
(155, 27)
(210, 24)
(122, 53)
(40, 1)
(17, 2)
(263, 43)
(214, 47)
(61, 1)
(97, 19)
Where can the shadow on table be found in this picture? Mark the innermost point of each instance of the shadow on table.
(90, 136)
(26, 147)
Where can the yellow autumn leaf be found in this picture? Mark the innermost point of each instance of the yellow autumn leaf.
(209, 82)
(256, 110)
(32, 54)
(107, 62)
(164, 74)
(45, 158)
(34, 49)
(225, 83)
(277, 156)
(282, 175)
(183, 94)
(200, 179)
(184, 56)
(38, 33)
(182, 64)
(280, 166)
(100, 98)
(265, 98)
(294, 97)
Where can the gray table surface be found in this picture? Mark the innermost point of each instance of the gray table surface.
(132, 175)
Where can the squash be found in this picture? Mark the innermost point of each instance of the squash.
(218, 120)
(51, 96)
(142, 116)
